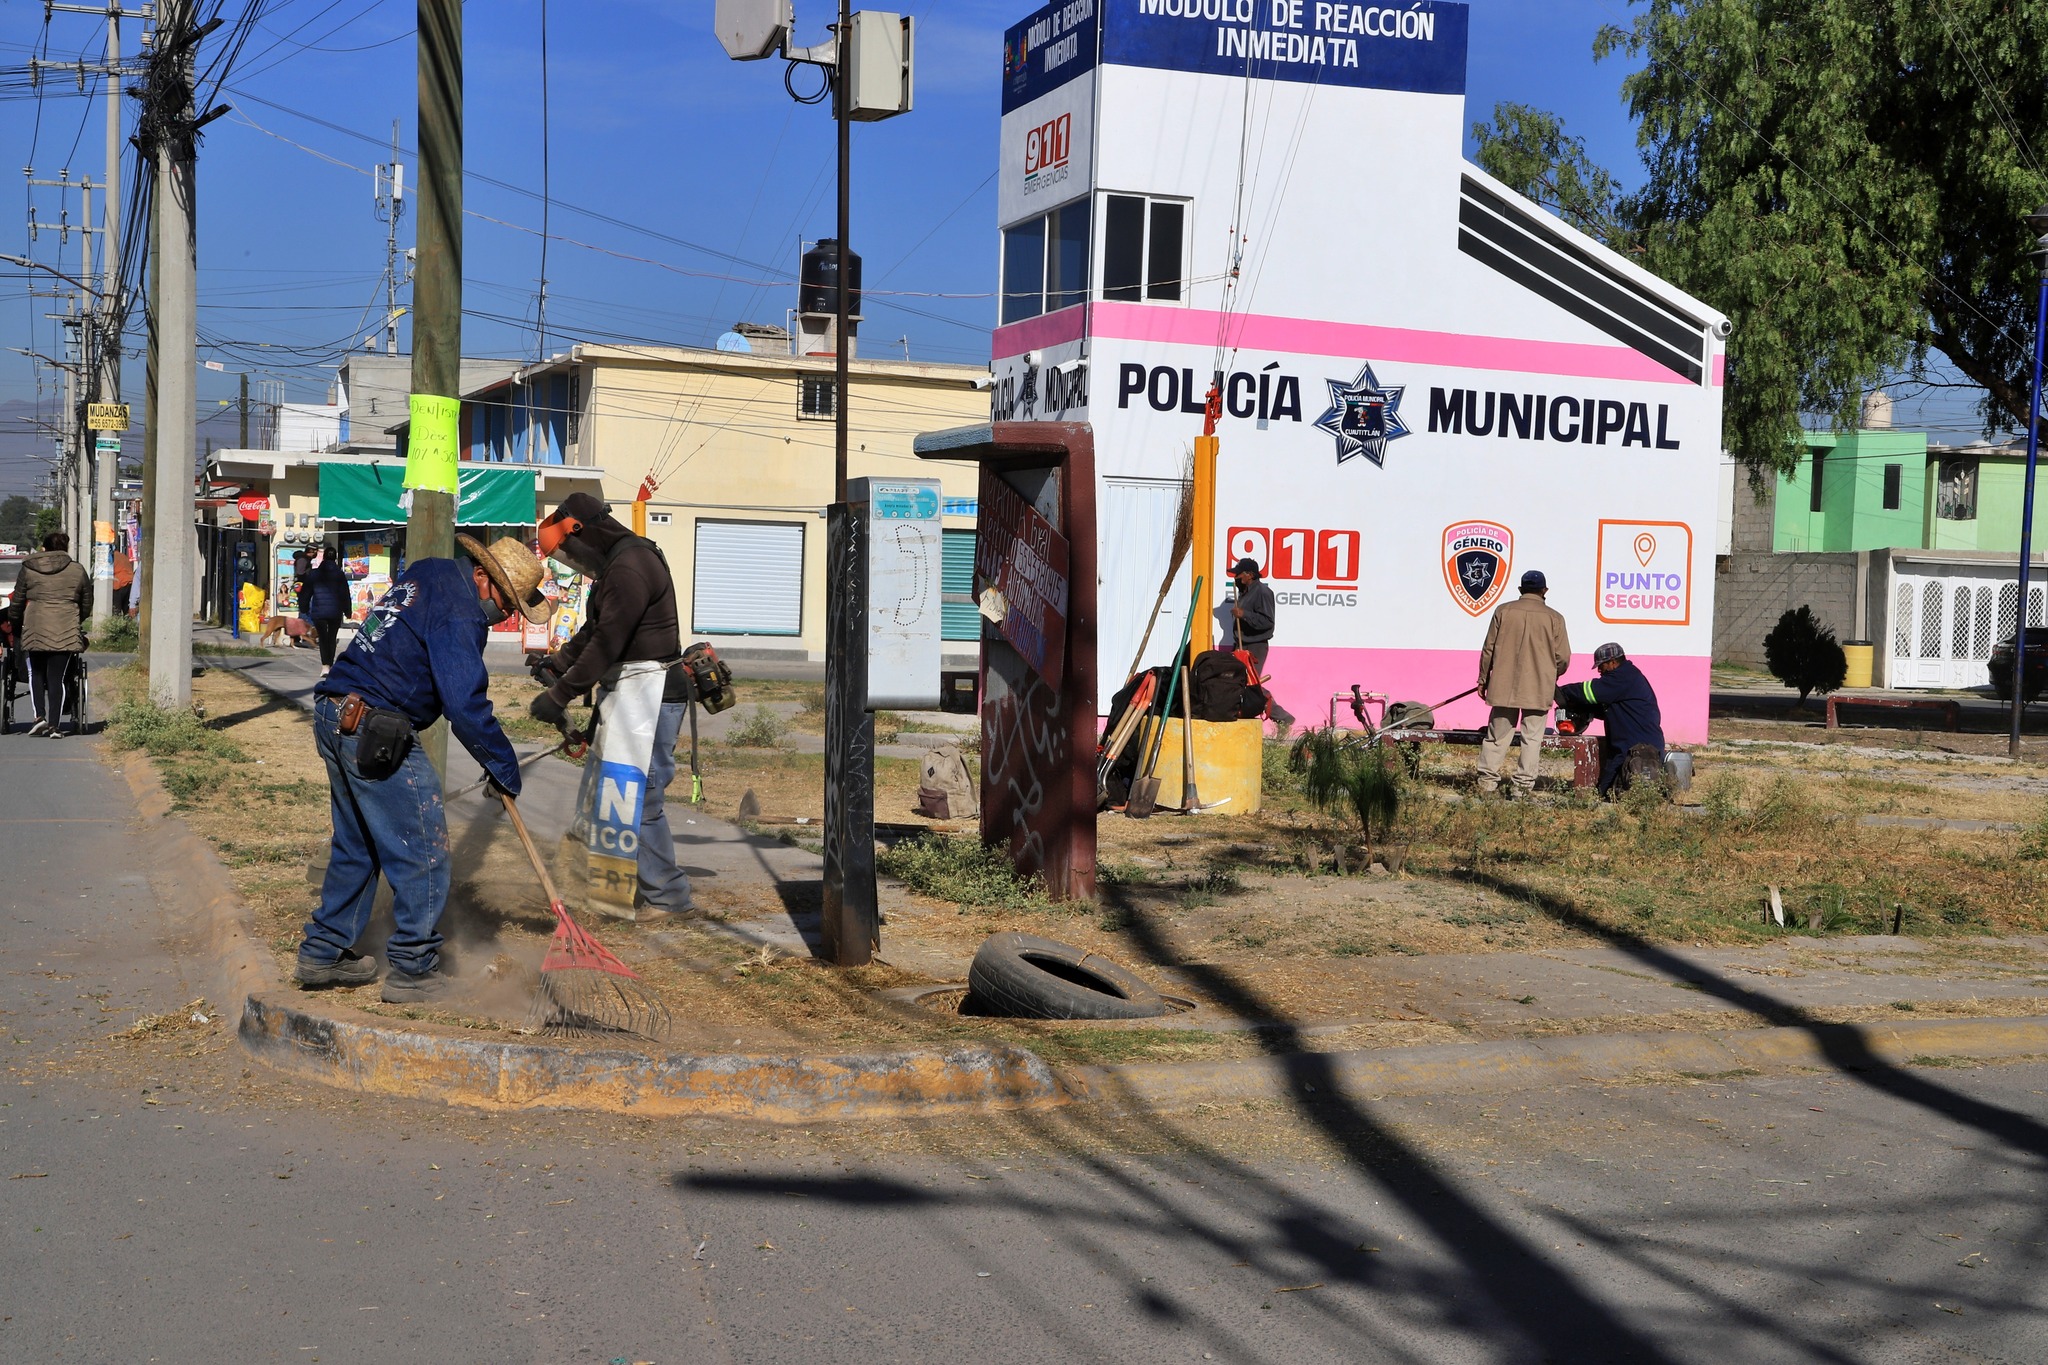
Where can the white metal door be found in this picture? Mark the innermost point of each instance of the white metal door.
(748, 579)
(1946, 620)
(1136, 519)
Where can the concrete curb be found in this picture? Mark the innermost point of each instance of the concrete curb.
(1469, 1068)
(359, 1052)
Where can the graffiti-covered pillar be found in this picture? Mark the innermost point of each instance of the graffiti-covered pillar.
(1034, 574)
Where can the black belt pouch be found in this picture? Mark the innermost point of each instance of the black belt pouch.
(383, 739)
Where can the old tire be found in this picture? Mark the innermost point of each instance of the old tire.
(1024, 976)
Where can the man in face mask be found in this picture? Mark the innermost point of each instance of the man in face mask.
(631, 619)
(417, 657)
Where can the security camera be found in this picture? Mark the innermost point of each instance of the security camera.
(1723, 328)
(1034, 357)
(1078, 363)
(982, 381)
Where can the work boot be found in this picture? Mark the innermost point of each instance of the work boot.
(403, 988)
(353, 969)
(658, 916)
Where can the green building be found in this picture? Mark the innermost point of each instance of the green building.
(1889, 490)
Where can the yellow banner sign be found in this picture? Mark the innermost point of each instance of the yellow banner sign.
(433, 443)
(106, 417)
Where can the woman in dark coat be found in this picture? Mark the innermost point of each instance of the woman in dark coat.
(323, 599)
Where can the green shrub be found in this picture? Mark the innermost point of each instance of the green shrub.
(814, 702)
(161, 733)
(760, 730)
(1781, 805)
(1801, 653)
(1273, 774)
(113, 634)
(962, 870)
(1345, 777)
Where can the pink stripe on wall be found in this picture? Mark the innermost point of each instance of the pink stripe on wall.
(1304, 336)
(1303, 679)
(1032, 334)
(1721, 378)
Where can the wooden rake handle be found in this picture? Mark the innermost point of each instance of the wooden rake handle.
(540, 870)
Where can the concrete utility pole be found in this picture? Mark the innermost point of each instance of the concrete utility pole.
(111, 319)
(152, 427)
(433, 436)
(242, 425)
(391, 207)
(173, 144)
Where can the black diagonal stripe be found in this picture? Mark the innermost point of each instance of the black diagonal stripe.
(1647, 309)
(1538, 283)
(1619, 299)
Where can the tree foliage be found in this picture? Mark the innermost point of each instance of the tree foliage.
(1528, 150)
(1802, 653)
(17, 520)
(1848, 180)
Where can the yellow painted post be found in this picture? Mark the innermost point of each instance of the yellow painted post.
(1205, 565)
(639, 516)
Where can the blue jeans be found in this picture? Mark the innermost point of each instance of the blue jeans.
(663, 885)
(395, 827)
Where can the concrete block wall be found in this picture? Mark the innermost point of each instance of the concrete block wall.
(1752, 590)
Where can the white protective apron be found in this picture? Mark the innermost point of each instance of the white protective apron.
(613, 793)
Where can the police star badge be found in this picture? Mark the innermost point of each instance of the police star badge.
(1477, 557)
(1363, 416)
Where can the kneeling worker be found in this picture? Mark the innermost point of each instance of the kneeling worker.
(417, 657)
(1620, 695)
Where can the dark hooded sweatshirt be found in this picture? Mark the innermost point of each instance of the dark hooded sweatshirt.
(632, 608)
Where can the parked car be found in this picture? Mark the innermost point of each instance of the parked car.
(2037, 664)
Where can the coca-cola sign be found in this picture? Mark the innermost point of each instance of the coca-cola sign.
(252, 506)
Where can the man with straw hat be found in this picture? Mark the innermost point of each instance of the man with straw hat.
(417, 657)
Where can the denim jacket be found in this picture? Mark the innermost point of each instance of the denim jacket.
(421, 652)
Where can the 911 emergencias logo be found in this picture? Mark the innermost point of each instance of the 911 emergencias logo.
(1477, 557)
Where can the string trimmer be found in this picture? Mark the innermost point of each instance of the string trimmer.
(583, 986)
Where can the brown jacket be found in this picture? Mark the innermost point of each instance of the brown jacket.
(1526, 652)
(52, 598)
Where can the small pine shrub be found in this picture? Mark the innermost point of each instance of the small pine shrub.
(1801, 653)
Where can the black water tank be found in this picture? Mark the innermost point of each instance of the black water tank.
(818, 283)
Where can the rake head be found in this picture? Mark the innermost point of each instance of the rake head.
(584, 988)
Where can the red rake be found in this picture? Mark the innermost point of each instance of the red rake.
(583, 987)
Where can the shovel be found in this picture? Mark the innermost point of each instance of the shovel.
(1145, 790)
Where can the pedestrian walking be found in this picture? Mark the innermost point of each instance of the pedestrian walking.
(124, 581)
(323, 600)
(419, 656)
(1526, 652)
(630, 619)
(52, 599)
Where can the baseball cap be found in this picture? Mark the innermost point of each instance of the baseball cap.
(1608, 653)
(1533, 581)
(1250, 566)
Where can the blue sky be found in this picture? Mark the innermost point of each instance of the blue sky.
(651, 126)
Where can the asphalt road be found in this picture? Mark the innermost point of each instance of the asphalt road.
(167, 1201)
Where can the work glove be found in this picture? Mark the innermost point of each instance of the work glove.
(498, 789)
(545, 709)
(547, 669)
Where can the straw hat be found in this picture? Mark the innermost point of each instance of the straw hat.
(515, 570)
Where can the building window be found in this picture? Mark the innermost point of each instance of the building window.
(660, 518)
(1045, 263)
(816, 397)
(1819, 468)
(1141, 248)
(1955, 491)
(1893, 477)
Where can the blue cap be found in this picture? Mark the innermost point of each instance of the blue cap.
(1533, 581)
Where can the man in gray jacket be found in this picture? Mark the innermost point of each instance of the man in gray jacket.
(52, 599)
(1526, 652)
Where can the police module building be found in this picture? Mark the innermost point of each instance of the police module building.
(1428, 384)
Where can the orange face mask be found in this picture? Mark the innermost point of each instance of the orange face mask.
(554, 531)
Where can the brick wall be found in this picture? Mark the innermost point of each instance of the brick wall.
(1751, 591)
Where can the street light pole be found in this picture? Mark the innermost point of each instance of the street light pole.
(2038, 220)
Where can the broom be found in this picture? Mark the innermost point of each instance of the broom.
(583, 987)
(1183, 541)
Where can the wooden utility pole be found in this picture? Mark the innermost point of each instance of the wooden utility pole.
(433, 437)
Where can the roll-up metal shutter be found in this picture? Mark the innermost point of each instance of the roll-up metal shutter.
(749, 578)
(961, 620)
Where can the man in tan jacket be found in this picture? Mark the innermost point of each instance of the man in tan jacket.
(1526, 652)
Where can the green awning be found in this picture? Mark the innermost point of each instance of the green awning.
(488, 496)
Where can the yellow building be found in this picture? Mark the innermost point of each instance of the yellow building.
(738, 447)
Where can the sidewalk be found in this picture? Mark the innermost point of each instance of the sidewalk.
(1515, 1013)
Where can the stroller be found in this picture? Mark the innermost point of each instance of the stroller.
(14, 678)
